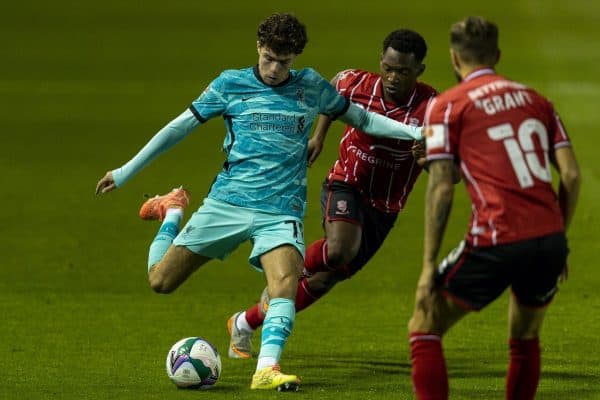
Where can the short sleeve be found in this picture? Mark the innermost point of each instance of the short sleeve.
(557, 132)
(212, 102)
(346, 81)
(442, 130)
(331, 102)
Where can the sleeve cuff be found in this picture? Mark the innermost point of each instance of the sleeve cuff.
(199, 117)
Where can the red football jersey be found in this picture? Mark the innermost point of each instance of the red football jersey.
(503, 135)
(383, 171)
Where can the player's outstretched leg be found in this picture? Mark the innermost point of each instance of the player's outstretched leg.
(167, 208)
(156, 207)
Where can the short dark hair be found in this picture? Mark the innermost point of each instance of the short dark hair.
(406, 41)
(283, 33)
(475, 39)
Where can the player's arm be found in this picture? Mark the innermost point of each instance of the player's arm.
(164, 139)
(422, 161)
(377, 125)
(438, 203)
(570, 182)
(315, 144)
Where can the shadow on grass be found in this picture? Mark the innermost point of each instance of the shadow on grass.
(342, 371)
(344, 361)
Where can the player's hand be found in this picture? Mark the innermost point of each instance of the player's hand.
(314, 149)
(106, 184)
(418, 151)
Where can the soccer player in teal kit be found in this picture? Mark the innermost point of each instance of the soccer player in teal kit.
(260, 193)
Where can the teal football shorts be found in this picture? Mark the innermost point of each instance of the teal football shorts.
(217, 228)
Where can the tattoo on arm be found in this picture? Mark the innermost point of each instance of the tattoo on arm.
(440, 192)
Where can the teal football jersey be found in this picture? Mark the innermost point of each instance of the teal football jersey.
(266, 143)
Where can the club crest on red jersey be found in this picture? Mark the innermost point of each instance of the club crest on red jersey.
(342, 207)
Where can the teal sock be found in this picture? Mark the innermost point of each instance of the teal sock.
(163, 239)
(278, 325)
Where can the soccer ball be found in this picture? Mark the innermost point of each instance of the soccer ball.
(193, 363)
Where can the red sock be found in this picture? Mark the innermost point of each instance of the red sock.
(429, 376)
(315, 259)
(255, 316)
(524, 369)
(304, 298)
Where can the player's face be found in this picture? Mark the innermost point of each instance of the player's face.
(274, 68)
(399, 72)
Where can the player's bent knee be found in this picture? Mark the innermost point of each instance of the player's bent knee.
(322, 282)
(158, 283)
(285, 286)
(524, 333)
(339, 254)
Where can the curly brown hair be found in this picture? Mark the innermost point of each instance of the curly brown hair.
(283, 33)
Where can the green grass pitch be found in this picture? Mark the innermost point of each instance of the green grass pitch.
(83, 85)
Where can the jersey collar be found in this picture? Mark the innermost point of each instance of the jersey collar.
(479, 72)
(257, 75)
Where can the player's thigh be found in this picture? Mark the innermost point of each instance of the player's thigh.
(473, 277)
(174, 268)
(536, 277)
(282, 267)
(271, 231)
(376, 227)
(535, 283)
(343, 241)
(279, 251)
(216, 229)
(342, 220)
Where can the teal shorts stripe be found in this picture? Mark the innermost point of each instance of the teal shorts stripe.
(217, 228)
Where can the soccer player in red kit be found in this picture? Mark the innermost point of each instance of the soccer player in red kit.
(503, 136)
(369, 183)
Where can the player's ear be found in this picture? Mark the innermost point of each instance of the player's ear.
(454, 59)
(421, 69)
(258, 47)
(497, 56)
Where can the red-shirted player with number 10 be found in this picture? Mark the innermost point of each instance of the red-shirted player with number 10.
(369, 183)
(504, 137)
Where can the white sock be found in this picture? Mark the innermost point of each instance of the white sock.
(242, 324)
(265, 362)
(175, 211)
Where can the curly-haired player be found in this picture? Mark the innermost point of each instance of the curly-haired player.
(260, 193)
(369, 183)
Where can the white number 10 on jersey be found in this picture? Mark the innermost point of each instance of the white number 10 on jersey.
(521, 150)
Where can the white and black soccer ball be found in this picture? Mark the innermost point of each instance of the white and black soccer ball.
(193, 363)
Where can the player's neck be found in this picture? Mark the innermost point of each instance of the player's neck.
(467, 70)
